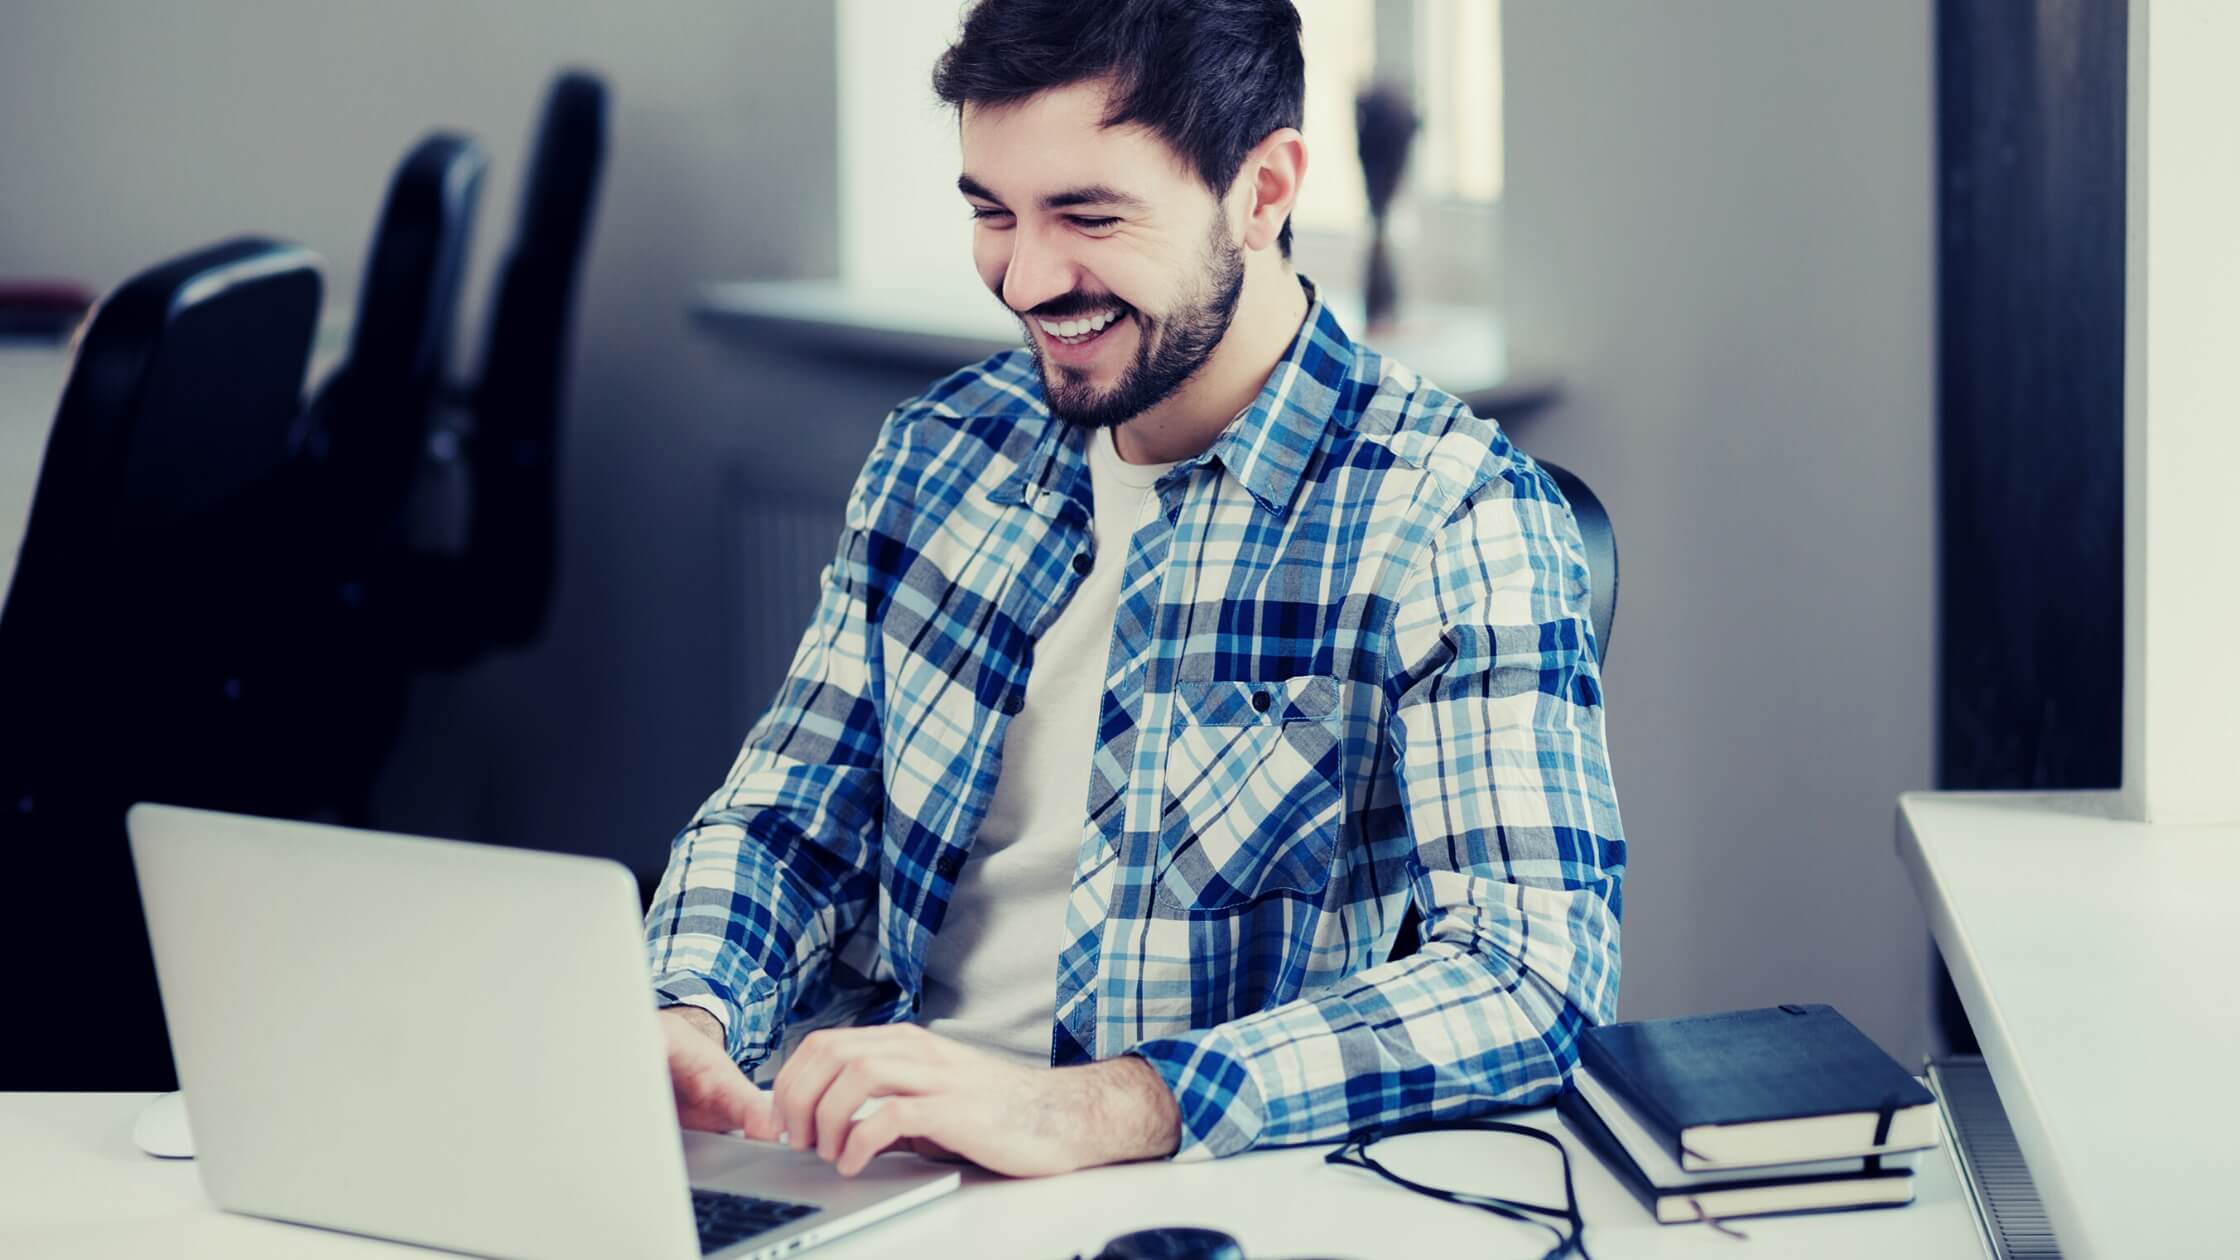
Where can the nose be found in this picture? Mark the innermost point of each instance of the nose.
(1039, 270)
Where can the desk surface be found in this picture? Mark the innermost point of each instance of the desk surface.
(73, 1185)
(2097, 961)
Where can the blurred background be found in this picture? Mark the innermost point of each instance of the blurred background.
(1690, 246)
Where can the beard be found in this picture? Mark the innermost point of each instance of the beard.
(1169, 349)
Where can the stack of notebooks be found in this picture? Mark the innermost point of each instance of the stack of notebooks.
(1750, 1113)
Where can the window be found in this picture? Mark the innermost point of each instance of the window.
(1448, 53)
(1339, 38)
(1458, 92)
(903, 230)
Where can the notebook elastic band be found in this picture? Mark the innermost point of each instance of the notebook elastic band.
(1882, 1120)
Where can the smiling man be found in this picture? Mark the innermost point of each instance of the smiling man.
(1163, 666)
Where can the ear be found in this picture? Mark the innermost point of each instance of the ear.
(1269, 185)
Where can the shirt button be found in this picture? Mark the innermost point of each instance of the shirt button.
(949, 864)
(1260, 701)
(1082, 563)
(1014, 702)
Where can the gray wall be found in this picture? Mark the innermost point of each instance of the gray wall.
(1718, 229)
(137, 130)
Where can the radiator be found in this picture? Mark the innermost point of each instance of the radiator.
(778, 540)
(2008, 1210)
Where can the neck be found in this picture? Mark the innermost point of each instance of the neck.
(1269, 313)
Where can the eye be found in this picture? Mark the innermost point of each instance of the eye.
(1091, 223)
(991, 216)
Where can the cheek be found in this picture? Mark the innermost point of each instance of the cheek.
(991, 257)
(1142, 282)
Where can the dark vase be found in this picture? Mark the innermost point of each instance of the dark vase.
(1385, 125)
(1383, 292)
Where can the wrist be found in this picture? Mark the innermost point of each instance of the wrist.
(697, 1019)
(1126, 1113)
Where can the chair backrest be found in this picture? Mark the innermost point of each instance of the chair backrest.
(513, 532)
(340, 607)
(180, 393)
(178, 413)
(1601, 543)
(369, 424)
(180, 402)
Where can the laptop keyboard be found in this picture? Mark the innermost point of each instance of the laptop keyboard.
(726, 1218)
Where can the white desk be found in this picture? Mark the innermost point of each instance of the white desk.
(2100, 969)
(31, 381)
(72, 1185)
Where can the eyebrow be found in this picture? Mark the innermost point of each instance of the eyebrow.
(1084, 195)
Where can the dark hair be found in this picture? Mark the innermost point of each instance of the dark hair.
(1212, 78)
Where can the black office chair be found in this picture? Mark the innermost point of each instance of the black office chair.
(512, 539)
(118, 648)
(485, 525)
(360, 447)
(1601, 544)
(370, 421)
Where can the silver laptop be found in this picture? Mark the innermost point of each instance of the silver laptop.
(454, 1045)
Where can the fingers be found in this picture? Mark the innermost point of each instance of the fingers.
(712, 1093)
(874, 1075)
(696, 1112)
(836, 1111)
(720, 1105)
(814, 1065)
(800, 1085)
(758, 1116)
(899, 1119)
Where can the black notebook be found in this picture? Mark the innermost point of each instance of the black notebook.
(1751, 1088)
(1676, 1197)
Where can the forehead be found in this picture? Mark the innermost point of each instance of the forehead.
(1054, 140)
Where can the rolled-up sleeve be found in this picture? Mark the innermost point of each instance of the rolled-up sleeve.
(781, 862)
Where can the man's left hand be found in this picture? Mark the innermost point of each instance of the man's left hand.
(940, 1094)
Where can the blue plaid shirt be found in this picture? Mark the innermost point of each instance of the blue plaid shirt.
(1351, 669)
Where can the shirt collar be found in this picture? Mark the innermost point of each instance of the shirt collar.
(1266, 448)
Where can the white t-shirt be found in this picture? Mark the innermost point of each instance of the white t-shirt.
(991, 973)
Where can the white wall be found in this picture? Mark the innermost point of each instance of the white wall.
(137, 129)
(2182, 190)
(1718, 227)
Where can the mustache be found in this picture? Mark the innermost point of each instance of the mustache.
(1067, 305)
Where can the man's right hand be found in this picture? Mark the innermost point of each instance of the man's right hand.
(712, 1093)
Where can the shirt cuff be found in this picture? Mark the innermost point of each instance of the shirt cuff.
(684, 988)
(1220, 1104)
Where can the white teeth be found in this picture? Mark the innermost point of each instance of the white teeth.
(1070, 328)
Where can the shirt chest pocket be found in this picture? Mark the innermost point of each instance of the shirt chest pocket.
(1254, 792)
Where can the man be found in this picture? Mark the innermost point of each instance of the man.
(1163, 665)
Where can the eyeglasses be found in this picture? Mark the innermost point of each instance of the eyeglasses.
(1355, 1153)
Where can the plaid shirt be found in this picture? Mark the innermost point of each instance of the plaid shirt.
(1351, 669)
